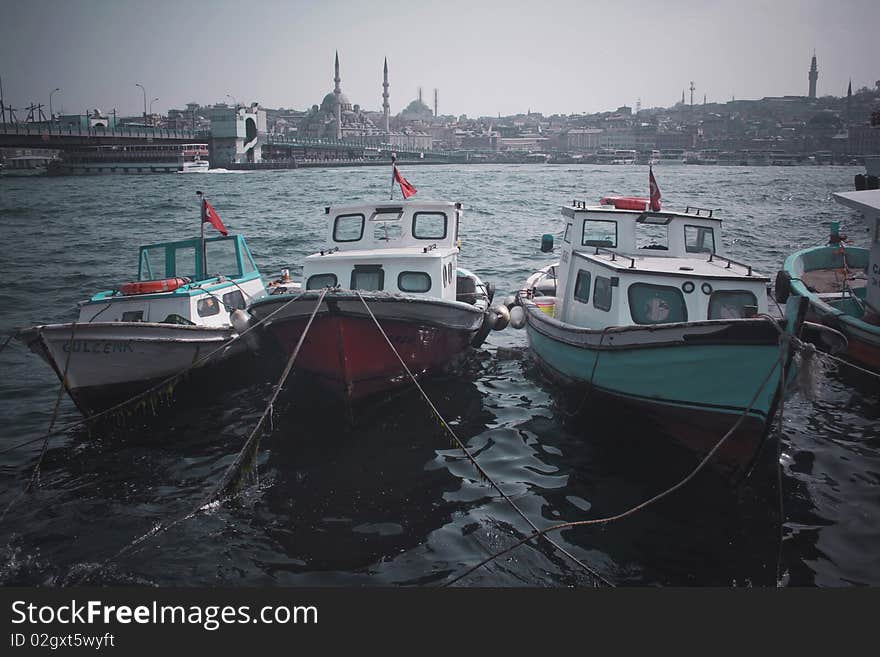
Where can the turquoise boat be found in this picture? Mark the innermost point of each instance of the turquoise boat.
(841, 282)
(643, 308)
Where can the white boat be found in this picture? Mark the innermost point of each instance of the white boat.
(194, 158)
(181, 307)
(397, 262)
(644, 309)
(26, 165)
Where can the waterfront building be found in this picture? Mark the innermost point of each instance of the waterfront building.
(237, 134)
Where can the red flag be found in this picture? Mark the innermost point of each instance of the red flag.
(655, 191)
(213, 218)
(405, 188)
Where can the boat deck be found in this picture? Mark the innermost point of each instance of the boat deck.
(830, 283)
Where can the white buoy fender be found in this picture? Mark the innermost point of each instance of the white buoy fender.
(240, 320)
(502, 317)
(517, 317)
(509, 301)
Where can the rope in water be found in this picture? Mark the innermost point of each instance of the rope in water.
(247, 452)
(151, 390)
(483, 474)
(35, 474)
(642, 505)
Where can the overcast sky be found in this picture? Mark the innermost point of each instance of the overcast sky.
(486, 57)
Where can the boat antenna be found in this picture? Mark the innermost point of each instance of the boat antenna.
(204, 267)
(393, 166)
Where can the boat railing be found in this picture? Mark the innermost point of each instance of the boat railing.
(615, 254)
(698, 211)
(730, 261)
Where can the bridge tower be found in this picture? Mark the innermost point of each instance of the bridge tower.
(237, 134)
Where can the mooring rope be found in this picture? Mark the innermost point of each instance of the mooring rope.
(247, 453)
(642, 505)
(35, 474)
(592, 376)
(483, 474)
(149, 391)
(6, 341)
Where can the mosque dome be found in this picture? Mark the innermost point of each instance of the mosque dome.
(328, 105)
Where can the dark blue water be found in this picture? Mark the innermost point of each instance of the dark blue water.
(390, 501)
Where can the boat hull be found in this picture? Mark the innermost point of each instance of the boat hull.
(110, 362)
(694, 380)
(838, 311)
(345, 351)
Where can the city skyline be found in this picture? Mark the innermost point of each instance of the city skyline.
(560, 57)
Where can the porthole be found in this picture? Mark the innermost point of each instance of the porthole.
(688, 287)
(706, 288)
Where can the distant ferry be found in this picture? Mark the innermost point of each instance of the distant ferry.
(26, 165)
(137, 158)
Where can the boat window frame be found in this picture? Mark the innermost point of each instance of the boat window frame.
(234, 300)
(711, 231)
(329, 273)
(716, 293)
(566, 236)
(206, 300)
(418, 273)
(596, 304)
(595, 243)
(671, 288)
(431, 212)
(368, 269)
(574, 293)
(345, 216)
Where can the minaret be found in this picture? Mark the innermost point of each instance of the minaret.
(849, 101)
(337, 91)
(682, 96)
(436, 101)
(814, 75)
(385, 107)
(420, 96)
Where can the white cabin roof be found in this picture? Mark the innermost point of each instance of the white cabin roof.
(867, 202)
(717, 267)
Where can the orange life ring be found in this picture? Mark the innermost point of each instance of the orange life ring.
(153, 287)
(625, 202)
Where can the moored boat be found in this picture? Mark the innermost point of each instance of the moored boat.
(181, 307)
(644, 308)
(842, 282)
(391, 263)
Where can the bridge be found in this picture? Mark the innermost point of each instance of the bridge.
(368, 147)
(64, 137)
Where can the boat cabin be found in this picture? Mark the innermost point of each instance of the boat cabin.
(179, 284)
(867, 202)
(621, 267)
(404, 247)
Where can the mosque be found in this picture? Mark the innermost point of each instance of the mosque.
(337, 118)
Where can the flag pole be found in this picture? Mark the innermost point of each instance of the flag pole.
(393, 161)
(204, 268)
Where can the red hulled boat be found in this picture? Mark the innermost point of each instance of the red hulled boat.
(390, 270)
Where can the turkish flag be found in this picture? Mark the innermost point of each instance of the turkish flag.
(213, 218)
(405, 188)
(655, 191)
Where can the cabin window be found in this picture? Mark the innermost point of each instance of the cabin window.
(582, 286)
(387, 231)
(208, 306)
(602, 293)
(248, 262)
(185, 262)
(567, 236)
(599, 232)
(699, 239)
(429, 225)
(449, 275)
(133, 316)
(650, 235)
(152, 267)
(233, 300)
(413, 281)
(222, 258)
(656, 304)
(368, 277)
(730, 304)
(348, 228)
(320, 281)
